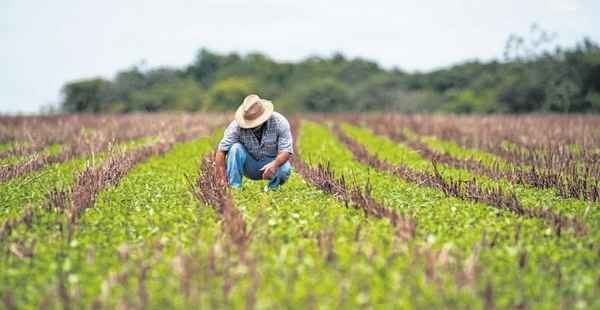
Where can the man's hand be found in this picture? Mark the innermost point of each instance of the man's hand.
(269, 170)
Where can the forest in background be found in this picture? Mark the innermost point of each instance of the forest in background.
(530, 78)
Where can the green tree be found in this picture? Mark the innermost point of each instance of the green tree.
(183, 95)
(379, 92)
(467, 101)
(85, 96)
(227, 94)
(205, 67)
(323, 95)
(531, 78)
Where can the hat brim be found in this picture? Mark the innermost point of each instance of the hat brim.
(242, 122)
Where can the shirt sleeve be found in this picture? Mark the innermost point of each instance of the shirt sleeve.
(231, 136)
(284, 142)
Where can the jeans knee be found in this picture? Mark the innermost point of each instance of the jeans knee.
(285, 170)
(236, 147)
(237, 152)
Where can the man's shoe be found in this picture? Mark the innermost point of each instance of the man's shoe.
(267, 188)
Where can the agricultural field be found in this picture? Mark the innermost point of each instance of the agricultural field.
(381, 211)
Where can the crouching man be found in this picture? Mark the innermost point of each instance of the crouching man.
(257, 145)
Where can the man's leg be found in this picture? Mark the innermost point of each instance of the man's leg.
(236, 158)
(252, 168)
(282, 174)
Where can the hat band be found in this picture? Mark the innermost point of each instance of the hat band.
(254, 112)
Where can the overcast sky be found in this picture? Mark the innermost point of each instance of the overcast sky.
(43, 44)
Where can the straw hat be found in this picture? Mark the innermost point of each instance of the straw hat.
(253, 111)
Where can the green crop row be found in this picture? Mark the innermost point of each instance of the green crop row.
(147, 243)
(51, 150)
(489, 159)
(312, 250)
(5, 147)
(12, 145)
(151, 205)
(457, 151)
(529, 196)
(565, 262)
(33, 188)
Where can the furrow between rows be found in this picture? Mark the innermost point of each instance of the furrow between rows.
(87, 148)
(118, 243)
(324, 178)
(567, 185)
(517, 245)
(470, 189)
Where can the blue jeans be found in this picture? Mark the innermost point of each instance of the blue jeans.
(240, 163)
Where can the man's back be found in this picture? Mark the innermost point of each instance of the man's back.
(276, 138)
(257, 145)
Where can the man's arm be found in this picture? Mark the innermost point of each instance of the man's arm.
(220, 165)
(285, 149)
(230, 136)
(270, 169)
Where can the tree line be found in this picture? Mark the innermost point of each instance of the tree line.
(530, 78)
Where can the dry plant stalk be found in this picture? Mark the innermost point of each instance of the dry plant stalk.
(214, 191)
(541, 149)
(324, 178)
(83, 135)
(469, 190)
(565, 180)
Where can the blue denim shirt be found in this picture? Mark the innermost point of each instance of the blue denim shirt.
(276, 138)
